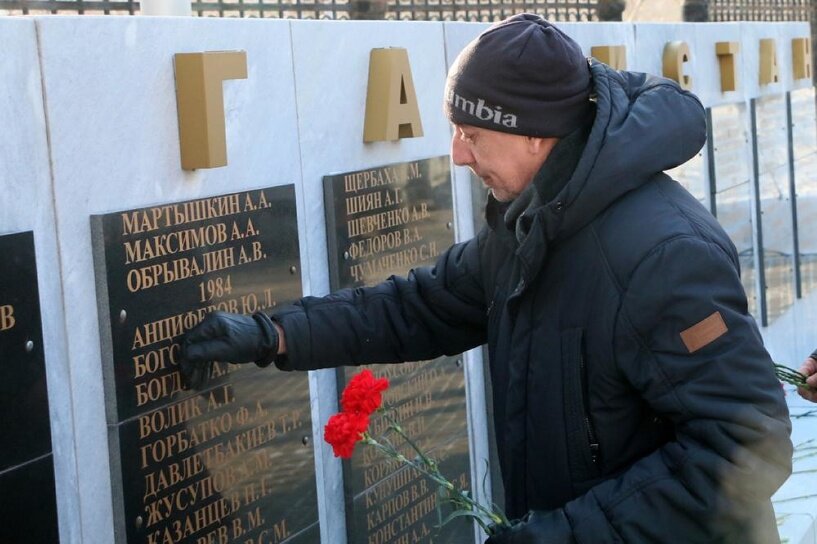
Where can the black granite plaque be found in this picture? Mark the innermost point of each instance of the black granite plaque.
(384, 221)
(24, 426)
(232, 462)
(28, 507)
(387, 220)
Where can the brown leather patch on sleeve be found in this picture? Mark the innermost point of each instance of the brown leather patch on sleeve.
(704, 333)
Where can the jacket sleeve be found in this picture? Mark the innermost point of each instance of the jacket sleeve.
(433, 311)
(732, 448)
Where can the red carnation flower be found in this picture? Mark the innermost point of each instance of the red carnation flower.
(344, 430)
(362, 394)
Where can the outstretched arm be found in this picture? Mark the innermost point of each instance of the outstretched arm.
(433, 311)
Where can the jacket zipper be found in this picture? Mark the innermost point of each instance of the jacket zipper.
(588, 425)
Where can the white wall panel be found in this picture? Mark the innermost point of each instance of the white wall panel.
(111, 106)
(26, 203)
(331, 61)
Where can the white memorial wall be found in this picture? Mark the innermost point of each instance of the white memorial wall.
(90, 118)
(26, 205)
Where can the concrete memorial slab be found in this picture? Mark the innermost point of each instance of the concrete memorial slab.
(115, 148)
(30, 264)
(768, 70)
(92, 121)
(331, 73)
(771, 132)
(382, 221)
(804, 142)
(770, 75)
(719, 52)
(732, 160)
(777, 50)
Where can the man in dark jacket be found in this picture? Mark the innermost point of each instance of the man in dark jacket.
(633, 398)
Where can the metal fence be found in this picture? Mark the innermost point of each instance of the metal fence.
(67, 7)
(432, 10)
(762, 10)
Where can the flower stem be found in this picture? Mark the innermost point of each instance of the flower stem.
(800, 498)
(809, 413)
(429, 468)
(790, 376)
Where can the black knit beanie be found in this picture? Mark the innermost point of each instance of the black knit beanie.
(522, 75)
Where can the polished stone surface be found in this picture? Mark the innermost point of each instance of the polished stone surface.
(383, 221)
(233, 459)
(387, 220)
(389, 502)
(158, 277)
(28, 505)
(24, 426)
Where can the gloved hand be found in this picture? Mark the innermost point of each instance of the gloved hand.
(537, 527)
(229, 338)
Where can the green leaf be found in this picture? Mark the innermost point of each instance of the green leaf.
(499, 512)
(485, 478)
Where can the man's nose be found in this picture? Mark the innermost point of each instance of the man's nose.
(460, 153)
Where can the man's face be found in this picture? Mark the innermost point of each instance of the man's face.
(506, 163)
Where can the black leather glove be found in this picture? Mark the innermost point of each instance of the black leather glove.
(538, 527)
(229, 338)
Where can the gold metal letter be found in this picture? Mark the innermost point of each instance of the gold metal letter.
(675, 55)
(726, 52)
(391, 103)
(7, 320)
(801, 57)
(200, 103)
(769, 72)
(614, 56)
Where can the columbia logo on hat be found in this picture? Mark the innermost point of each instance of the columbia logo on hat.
(481, 110)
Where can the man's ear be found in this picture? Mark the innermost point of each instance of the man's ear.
(541, 146)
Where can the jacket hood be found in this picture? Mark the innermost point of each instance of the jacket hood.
(644, 125)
